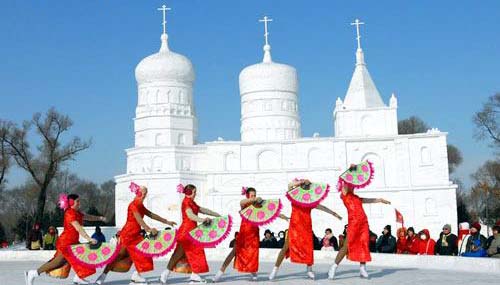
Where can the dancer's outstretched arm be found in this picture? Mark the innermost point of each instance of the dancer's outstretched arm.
(193, 217)
(159, 219)
(329, 211)
(92, 218)
(82, 232)
(375, 200)
(209, 212)
(143, 224)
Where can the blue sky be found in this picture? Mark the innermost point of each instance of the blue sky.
(441, 58)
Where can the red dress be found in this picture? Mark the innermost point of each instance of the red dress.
(130, 236)
(247, 248)
(195, 254)
(358, 235)
(70, 236)
(300, 246)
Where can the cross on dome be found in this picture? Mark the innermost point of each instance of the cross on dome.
(266, 20)
(358, 23)
(164, 10)
(267, 47)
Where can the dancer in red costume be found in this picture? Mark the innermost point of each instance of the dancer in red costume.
(298, 244)
(73, 222)
(185, 248)
(130, 236)
(358, 234)
(246, 248)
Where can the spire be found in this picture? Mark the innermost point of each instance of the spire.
(362, 92)
(164, 36)
(267, 47)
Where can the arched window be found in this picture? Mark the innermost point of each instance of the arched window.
(268, 159)
(160, 139)
(425, 156)
(181, 140)
(231, 161)
(315, 158)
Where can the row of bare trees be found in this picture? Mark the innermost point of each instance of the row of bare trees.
(41, 147)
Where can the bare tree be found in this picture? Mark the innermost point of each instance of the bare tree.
(485, 194)
(4, 154)
(52, 153)
(487, 121)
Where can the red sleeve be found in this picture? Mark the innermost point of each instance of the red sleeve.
(71, 216)
(133, 207)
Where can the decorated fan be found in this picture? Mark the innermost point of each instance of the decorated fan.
(263, 213)
(158, 245)
(357, 176)
(308, 196)
(209, 235)
(94, 255)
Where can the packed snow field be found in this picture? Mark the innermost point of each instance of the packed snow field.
(11, 273)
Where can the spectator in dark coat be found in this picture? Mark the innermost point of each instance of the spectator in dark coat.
(35, 238)
(475, 234)
(316, 242)
(281, 238)
(447, 242)
(269, 241)
(98, 235)
(329, 241)
(386, 243)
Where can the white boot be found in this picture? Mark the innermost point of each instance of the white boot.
(254, 276)
(137, 278)
(164, 276)
(273, 273)
(332, 271)
(218, 276)
(196, 279)
(100, 279)
(310, 272)
(29, 276)
(80, 281)
(362, 271)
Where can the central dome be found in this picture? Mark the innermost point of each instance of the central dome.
(164, 65)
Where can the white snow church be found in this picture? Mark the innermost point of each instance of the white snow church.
(410, 170)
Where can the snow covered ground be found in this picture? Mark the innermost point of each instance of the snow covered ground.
(11, 273)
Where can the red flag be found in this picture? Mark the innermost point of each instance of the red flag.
(399, 217)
